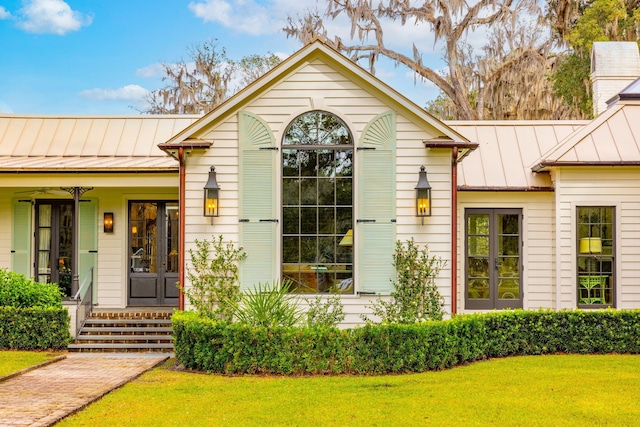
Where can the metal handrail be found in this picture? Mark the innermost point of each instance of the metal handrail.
(84, 301)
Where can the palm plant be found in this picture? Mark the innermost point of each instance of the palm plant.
(269, 305)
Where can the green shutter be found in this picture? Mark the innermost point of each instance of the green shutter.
(376, 226)
(88, 239)
(21, 238)
(258, 227)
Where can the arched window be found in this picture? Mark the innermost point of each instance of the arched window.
(317, 204)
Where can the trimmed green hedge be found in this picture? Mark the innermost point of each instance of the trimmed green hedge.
(207, 345)
(34, 328)
(16, 290)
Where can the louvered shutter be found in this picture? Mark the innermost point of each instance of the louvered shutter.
(87, 240)
(258, 219)
(21, 238)
(376, 226)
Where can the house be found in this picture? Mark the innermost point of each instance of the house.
(315, 168)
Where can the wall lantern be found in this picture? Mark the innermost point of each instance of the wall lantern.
(108, 222)
(211, 195)
(423, 195)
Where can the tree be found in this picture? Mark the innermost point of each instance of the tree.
(507, 81)
(580, 23)
(198, 86)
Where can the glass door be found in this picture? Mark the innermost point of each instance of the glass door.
(54, 244)
(153, 253)
(493, 259)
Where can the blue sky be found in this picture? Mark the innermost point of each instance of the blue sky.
(65, 57)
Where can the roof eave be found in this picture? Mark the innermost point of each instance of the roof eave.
(544, 166)
(168, 169)
(464, 148)
(290, 63)
(529, 189)
(188, 144)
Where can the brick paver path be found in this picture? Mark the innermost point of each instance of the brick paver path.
(45, 395)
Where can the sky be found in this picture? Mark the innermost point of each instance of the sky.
(95, 57)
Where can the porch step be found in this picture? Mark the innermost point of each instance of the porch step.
(120, 347)
(125, 332)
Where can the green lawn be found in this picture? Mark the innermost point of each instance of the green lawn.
(12, 361)
(536, 390)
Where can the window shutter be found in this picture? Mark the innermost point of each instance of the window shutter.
(87, 240)
(376, 226)
(21, 238)
(258, 223)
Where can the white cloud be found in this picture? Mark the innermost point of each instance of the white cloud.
(4, 13)
(51, 17)
(126, 93)
(153, 70)
(250, 16)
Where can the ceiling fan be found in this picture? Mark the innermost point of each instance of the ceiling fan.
(43, 191)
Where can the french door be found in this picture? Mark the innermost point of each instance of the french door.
(153, 253)
(54, 243)
(493, 263)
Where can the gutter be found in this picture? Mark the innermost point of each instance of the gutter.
(459, 150)
(181, 227)
(546, 164)
(177, 151)
(507, 189)
(454, 230)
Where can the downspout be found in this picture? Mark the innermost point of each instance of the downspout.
(181, 227)
(454, 231)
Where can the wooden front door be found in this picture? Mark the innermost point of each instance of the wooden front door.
(153, 253)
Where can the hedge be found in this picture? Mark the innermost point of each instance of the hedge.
(17, 290)
(232, 348)
(34, 328)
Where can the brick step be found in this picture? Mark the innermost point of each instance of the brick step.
(125, 332)
(120, 347)
(130, 315)
(131, 330)
(141, 338)
(134, 322)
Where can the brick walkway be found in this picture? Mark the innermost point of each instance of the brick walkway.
(46, 395)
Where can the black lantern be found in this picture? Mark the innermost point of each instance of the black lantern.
(108, 222)
(211, 195)
(423, 195)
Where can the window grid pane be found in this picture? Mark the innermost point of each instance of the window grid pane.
(595, 256)
(317, 204)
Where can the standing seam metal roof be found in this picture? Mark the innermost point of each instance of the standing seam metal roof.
(88, 143)
(507, 151)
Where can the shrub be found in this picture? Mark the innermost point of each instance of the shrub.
(16, 290)
(325, 313)
(415, 297)
(34, 328)
(269, 305)
(209, 345)
(213, 275)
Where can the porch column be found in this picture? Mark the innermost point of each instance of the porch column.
(76, 192)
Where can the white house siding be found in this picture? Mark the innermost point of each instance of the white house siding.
(318, 86)
(538, 254)
(600, 186)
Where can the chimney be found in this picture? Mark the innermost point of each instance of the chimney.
(614, 66)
